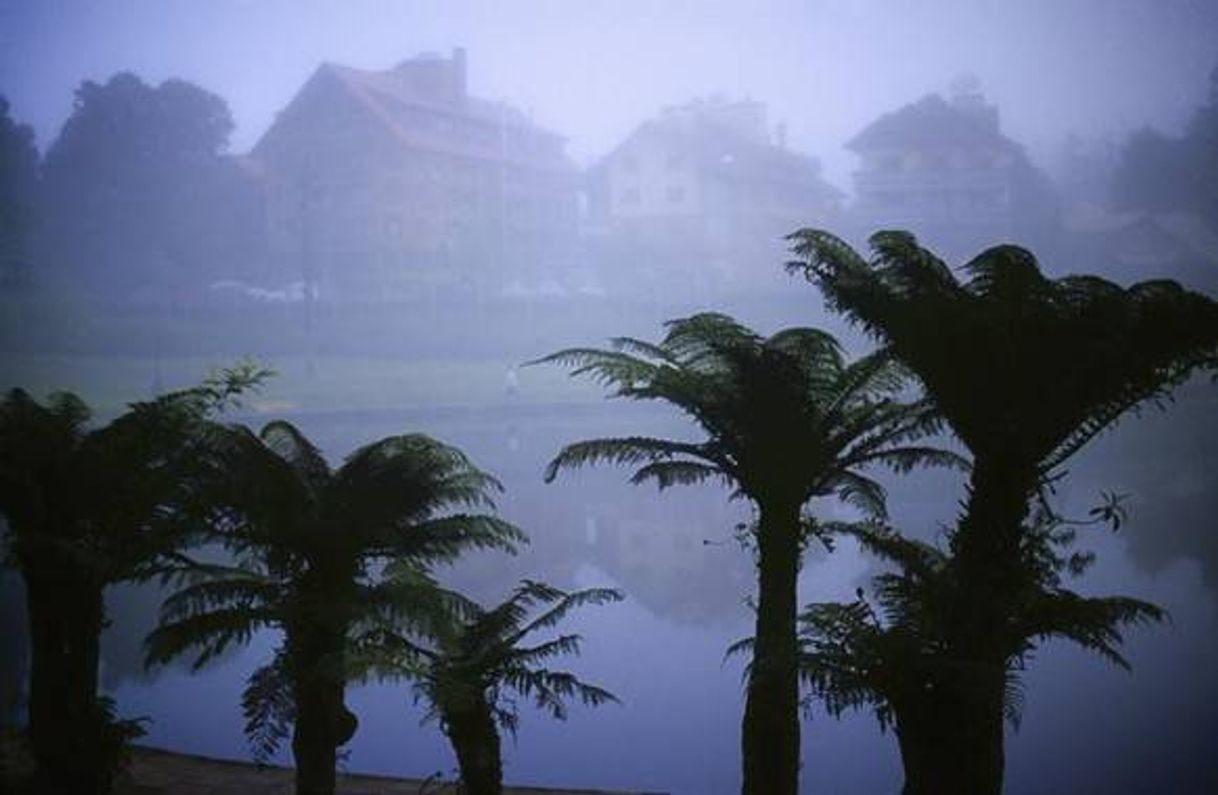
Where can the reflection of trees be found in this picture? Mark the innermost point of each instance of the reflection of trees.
(586, 520)
(675, 555)
(1173, 498)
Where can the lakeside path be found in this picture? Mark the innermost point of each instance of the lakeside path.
(158, 772)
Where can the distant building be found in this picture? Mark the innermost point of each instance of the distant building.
(944, 170)
(703, 192)
(398, 183)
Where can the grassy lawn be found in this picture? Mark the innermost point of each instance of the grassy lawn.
(352, 358)
(318, 383)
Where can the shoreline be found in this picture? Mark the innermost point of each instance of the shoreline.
(157, 770)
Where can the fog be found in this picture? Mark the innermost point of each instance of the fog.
(396, 205)
(593, 70)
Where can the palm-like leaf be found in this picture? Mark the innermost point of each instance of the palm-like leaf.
(329, 556)
(784, 408)
(287, 443)
(1050, 363)
(550, 690)
(210, 633)
(473, 658)
(1093, 623)
(266, 705)
(855, 656)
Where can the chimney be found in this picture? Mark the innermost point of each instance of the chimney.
(967, 98)
(433, 75)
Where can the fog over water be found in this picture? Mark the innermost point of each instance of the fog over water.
(397, 282)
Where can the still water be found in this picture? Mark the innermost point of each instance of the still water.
(1087, 727)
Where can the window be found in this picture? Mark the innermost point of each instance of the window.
(631, 197)
(675, 194)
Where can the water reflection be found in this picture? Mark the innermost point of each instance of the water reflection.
(1087, 727)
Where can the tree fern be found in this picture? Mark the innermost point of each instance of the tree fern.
(329, 556)
(784, 419)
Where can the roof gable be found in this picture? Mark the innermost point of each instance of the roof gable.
(717, 149)
(416, 115)
(932, 122)
(322, 108)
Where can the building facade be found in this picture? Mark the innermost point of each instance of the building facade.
(943, 170)
(398, 184)
(702, 194)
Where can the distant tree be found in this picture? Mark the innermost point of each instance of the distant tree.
(1151, 174)
(463, 669)
(86, 509)
(320, 552)
(137, 193)
(1026, 371)
(1160, 173)
(18, 180)
(787, 420)
(1201, 138)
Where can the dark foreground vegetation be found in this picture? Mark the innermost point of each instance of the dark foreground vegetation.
(1026, 371)
(1021, 370)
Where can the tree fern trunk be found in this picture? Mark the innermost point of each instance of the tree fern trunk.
(770, 732)
(956, 746)
(65, 616)
(323, 722)
(951, 740)
(475, 739)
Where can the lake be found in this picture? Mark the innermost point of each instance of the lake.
(1087, 726)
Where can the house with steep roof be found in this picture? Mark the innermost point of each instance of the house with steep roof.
(397, 183)
(944, 170)
(704, 190)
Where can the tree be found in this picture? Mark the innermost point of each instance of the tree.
(320, 552)
(87, 509)
(18, 179)
(1159, 173)
(1149, 175)
(137, 194)
(463, 667)
(894, 659)
(787, 420)
(1026, 371)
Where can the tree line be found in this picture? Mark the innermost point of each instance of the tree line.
(1021, 370)
(136, 197)
(138, 194)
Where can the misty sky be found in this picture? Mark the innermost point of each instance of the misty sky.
(593, 70)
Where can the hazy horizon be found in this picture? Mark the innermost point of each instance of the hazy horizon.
(593, 71)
